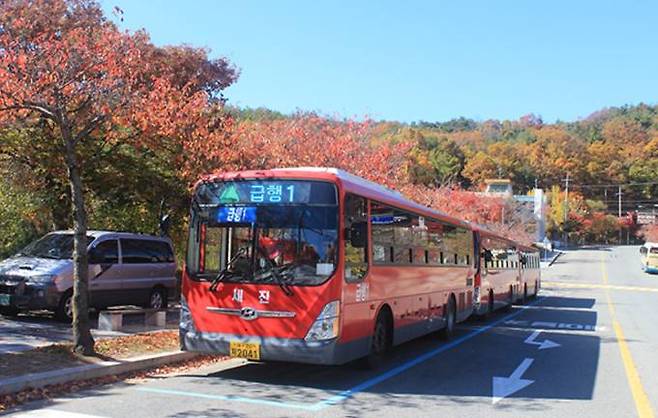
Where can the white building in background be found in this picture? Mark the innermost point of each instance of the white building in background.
(498, 187)
(533, 207)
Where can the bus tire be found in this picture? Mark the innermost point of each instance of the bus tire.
(450, 316)
(381, 341)
(511, 300)
(491, 306)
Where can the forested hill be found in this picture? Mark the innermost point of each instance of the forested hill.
(616, 145)
(433, 163)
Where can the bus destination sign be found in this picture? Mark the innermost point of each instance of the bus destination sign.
(268, 192)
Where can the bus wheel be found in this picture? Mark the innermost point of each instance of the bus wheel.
(511, 300)
(381, 342)
(491, 306)
(450, 317)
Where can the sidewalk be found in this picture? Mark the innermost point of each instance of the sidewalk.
(90, 371)
(43, 370)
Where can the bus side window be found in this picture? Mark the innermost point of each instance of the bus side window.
(356, 257)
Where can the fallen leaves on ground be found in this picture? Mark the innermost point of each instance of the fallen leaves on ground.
(138, 344)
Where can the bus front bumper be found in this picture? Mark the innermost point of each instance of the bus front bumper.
(328, 352)
(650, 269)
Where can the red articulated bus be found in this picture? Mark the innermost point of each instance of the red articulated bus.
(504, 273)
(316, 265)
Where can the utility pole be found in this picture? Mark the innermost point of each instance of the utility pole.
(566, 208)
(619, 211)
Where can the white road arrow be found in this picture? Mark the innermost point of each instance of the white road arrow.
(542, 345)
(505, 386)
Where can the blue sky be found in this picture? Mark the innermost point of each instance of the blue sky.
(417, 60)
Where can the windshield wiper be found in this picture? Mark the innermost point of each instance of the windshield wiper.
(222, 274)
(273, 269)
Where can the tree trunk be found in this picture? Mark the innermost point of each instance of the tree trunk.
(59, 200)
(83, 342)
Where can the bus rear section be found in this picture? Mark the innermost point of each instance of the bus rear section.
(530, 271)
(261, 278)
(498, 282)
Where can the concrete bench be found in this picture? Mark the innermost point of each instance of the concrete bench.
(113, 320)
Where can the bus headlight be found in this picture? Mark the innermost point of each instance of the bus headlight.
(325, 326)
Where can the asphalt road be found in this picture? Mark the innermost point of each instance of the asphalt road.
(586, 347)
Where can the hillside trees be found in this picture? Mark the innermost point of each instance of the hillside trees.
(87, 88)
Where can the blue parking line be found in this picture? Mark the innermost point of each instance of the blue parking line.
(346, 394)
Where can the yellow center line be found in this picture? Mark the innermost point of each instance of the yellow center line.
(639, 395)
(599, 286)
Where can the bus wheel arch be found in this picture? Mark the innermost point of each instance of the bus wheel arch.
(381, 339)
(386, 314)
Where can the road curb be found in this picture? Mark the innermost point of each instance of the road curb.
(90, 371)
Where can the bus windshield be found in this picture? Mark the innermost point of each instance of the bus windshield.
(264, 232)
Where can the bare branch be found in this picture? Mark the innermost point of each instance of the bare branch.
(93, 124)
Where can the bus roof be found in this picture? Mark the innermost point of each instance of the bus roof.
(349, 182)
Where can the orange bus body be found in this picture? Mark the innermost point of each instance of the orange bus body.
(415, 294)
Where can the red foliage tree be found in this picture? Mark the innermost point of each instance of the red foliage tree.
(302, 140)
(65, 67)
(649, 233)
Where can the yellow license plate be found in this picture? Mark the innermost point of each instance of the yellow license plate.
(250, 351)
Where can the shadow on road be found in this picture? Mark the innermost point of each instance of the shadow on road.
(461, 374)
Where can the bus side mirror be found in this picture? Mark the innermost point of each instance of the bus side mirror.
(357, 234)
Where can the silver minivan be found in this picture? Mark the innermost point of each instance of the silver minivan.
(124, 269)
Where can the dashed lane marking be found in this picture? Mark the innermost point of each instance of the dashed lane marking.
(599, 286)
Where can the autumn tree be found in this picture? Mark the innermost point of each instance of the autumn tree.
(66, 70)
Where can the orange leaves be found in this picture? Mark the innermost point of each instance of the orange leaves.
(302, 140)
(649, 233)
(71, 57)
